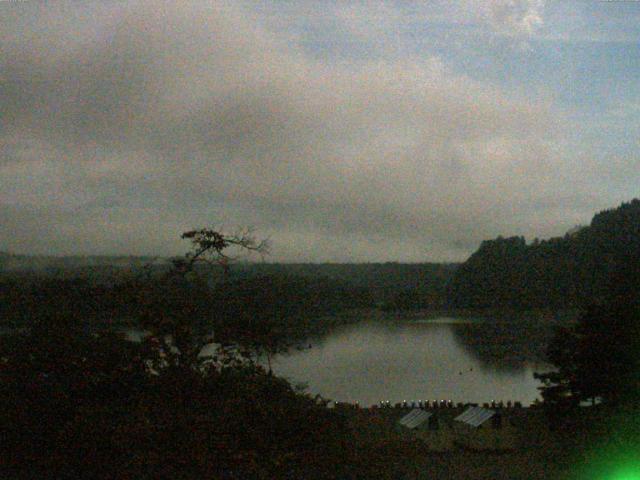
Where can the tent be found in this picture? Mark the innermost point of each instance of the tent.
(415, 419)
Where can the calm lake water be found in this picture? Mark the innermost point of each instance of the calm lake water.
(441, 358)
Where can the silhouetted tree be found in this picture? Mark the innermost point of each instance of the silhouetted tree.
(268, 315)
(599, 357)
(77, 402)
(179, 308)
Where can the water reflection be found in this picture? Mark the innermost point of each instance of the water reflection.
(462, 361)
(504, 345)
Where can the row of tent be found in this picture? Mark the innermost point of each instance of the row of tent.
(473, 416)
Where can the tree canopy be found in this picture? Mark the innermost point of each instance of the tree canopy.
(599, 356)
(79, 402)
(573, 271)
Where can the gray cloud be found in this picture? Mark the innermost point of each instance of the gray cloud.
(515, 16)
(124, 124)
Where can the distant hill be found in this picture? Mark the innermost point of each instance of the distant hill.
(13, 262)
(388, 285)
(582, 267)
(392, 285)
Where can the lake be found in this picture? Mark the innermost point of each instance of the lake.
(441, 358)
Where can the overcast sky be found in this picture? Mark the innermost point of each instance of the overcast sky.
(346, 131)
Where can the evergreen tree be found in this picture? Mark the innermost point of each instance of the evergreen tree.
(599, 357)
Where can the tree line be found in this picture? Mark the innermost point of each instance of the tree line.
(190, 400)
(573, 271)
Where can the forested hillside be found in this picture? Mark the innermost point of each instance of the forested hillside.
(387, 285)
(391, 285)
(571, 271)
(563, 272)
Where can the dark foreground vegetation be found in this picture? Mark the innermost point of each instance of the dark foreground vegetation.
(79, 401)
(77, 406)
(190, 400)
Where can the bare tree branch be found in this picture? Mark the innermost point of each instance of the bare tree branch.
(209, 245)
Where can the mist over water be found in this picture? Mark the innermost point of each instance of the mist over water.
(415, 360)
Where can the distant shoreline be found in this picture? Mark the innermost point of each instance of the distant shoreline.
(492, 314)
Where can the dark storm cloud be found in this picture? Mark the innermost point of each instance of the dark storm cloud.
(124, 124)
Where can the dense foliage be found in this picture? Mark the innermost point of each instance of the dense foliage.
(81, 406)
(388, 285)
(573, 271)
(78, 401)
(599, 356)
(385, 285)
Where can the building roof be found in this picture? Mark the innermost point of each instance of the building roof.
(414, 418)
(475, 416)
